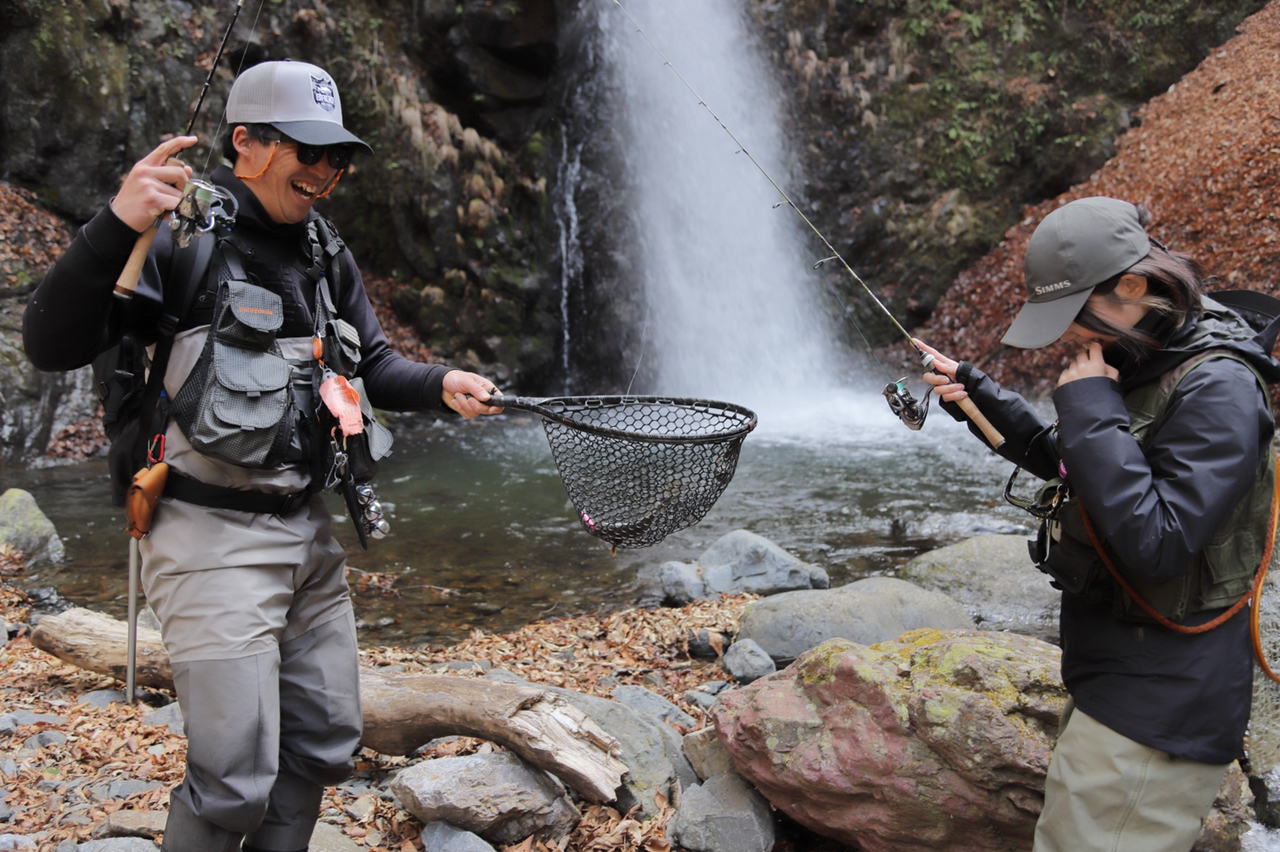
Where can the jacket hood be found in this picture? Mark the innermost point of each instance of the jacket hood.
(1249, 331)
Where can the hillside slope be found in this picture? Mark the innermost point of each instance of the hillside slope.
(1205, 159)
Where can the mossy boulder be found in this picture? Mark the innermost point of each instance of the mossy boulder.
(28, 530)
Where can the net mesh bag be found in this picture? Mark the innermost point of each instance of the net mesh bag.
(639, 468)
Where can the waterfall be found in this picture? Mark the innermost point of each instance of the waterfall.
(571, 262)
(733, 308)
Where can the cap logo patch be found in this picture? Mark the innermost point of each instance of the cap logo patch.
(325, 95)
(1050, 288)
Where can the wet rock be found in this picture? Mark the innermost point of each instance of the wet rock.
(866, 611)
(992, 577)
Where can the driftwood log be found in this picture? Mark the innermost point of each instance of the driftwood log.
(401, 712)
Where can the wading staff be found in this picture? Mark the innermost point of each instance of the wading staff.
(131, 649)
(900, 401)
(127, 283)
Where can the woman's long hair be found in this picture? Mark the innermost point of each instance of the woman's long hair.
(1175, 282)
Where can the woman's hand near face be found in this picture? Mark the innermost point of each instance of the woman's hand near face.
(1088, 363)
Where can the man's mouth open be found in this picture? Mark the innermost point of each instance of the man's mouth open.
(306, 190)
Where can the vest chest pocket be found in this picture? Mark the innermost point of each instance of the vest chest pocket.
(236, 405)
(247, 316)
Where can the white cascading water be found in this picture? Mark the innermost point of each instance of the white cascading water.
(734, 309)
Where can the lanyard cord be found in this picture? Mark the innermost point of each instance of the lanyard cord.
(1255, 593)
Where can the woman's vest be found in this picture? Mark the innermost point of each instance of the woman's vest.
(1218, 576)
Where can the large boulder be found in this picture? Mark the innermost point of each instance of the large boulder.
(26, 528)
(993, 578)
(865, 611)
(938, 740)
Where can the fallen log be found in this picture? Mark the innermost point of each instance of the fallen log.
(401, 711)
(100, 643)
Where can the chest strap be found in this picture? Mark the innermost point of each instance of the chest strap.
(199, 493)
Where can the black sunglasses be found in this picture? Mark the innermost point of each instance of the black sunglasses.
(339, 154)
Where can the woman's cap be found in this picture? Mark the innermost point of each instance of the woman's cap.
(297, 98)
(1074, 249)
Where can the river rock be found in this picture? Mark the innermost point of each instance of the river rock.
(747, 661)
(652, 705)
(723, 815)
(497, 796)
(739, 562)
(442, 837)
(865, 611)
(937, 740)
(993, 578)
(26, 528)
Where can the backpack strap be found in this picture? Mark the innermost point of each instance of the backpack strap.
(188, 268)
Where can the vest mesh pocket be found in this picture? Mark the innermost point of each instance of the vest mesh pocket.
(247, 316)
(236, 405)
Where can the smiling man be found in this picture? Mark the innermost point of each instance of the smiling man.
(287, 139)
(240, 563)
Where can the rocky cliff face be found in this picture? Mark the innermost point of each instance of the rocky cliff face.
(924, 128)
(927, 127)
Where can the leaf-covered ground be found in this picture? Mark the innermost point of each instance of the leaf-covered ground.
(589, 654)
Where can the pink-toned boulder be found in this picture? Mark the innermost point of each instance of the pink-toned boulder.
(937, 740)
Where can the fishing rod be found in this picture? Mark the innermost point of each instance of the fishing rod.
(201, 202)
(905, 406)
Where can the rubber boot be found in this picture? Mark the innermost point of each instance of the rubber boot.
(186, 832)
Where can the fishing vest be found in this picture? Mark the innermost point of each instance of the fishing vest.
(1219, 575)
(239, 407)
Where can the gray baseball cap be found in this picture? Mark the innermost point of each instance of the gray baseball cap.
(1073, 250)
(297, 98)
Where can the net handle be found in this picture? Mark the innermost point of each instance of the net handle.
(555, 408)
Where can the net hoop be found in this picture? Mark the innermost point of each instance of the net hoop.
(569, 410)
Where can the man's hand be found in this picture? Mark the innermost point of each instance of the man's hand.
(1088, 364)
(469, 393)
(153, 186)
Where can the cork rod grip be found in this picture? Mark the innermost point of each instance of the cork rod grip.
(127, 283)
(993, 436)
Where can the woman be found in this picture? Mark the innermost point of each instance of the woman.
(1154, 521)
